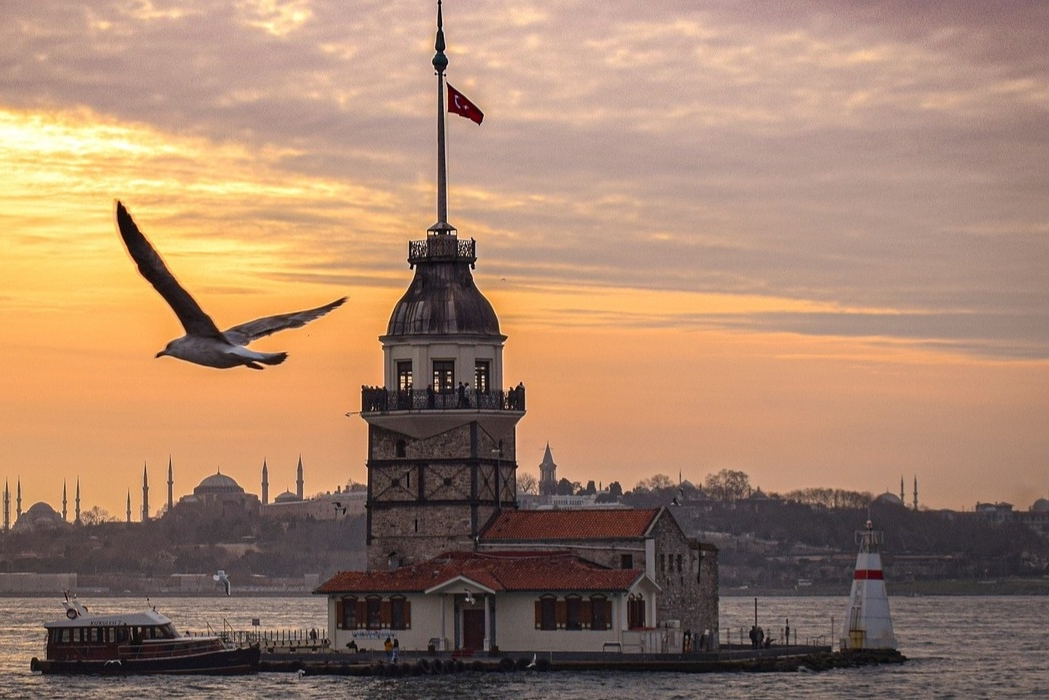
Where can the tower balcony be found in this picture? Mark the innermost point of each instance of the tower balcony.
(422, 414)
(442, 248)
(379, 400)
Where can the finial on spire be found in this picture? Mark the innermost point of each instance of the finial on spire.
(440, 61)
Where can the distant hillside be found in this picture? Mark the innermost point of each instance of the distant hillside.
(244, 547)
(774, 543)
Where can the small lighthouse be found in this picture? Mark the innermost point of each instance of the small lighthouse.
(868, 624)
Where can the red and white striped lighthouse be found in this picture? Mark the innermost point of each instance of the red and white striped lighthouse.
(868, 624)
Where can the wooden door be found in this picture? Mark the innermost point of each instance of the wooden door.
(473, 629)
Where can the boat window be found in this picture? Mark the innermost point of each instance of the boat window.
(168, 631)
(122, 634)
(65, 636)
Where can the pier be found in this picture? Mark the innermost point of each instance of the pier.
(317, 661)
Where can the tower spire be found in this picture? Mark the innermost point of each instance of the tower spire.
(440, 62)
(171, 485)
(145, 494)
(65, 511)
(265, 483)
(77, 502)
(298, 480)
(7, 506)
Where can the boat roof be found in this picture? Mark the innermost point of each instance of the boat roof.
(140, 618)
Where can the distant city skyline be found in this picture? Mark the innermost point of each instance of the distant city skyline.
(803, 241)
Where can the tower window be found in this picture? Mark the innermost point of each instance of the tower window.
(482, 376)
(444, 376)
(404, 376)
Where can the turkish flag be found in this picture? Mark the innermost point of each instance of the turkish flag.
(458, 104)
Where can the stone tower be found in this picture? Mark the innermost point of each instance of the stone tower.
(548, 474)
(442, 456)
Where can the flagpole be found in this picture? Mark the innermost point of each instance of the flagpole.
(440, 62)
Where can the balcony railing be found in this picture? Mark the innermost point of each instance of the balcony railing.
(381, 400)
(442, 248)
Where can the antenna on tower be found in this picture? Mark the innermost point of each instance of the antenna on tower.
(440, 62)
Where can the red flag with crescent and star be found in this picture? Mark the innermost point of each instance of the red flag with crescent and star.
(458, 104)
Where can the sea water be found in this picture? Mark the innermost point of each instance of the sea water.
(957, 647)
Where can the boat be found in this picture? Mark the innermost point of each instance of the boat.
(144, 642)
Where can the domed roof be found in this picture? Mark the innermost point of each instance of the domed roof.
(218, 483)
(889, 497)
(39, 515)
(1041, 505)
(42, 509)
(442, 298)
(286, 497)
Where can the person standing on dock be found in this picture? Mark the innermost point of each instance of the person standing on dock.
(388, 646)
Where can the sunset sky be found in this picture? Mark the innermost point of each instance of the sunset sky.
(808, 241)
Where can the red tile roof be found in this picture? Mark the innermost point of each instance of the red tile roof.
(596, 524)
(497, 571)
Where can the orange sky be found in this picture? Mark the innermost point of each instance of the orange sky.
(804, 244)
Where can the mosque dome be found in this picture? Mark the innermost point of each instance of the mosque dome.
(442, 298)
(287, 497)
(890, 498)
(1041, 506)
(39, 516)
(217, 483)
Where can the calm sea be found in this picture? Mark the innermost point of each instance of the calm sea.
(958, 647)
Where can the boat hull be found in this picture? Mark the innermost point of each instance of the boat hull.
(226, 662)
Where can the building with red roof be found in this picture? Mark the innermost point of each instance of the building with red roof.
(513, 601)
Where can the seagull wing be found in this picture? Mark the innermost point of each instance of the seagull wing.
(152, 267)
(253, 330)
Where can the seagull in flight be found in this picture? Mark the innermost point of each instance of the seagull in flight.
(223, 579)
(203, 343)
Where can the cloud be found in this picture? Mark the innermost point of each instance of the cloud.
(869, 155)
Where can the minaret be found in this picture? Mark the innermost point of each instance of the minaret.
(915, 492)
(77, 502)
(547, 474)
(442, 433)
(145, 494)
(129, 505)
(903, 496)
(265, 483)
(7, 505)
(65, 511)
(18, 501)
(171, 485)
(868, 624)
(298, 480)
